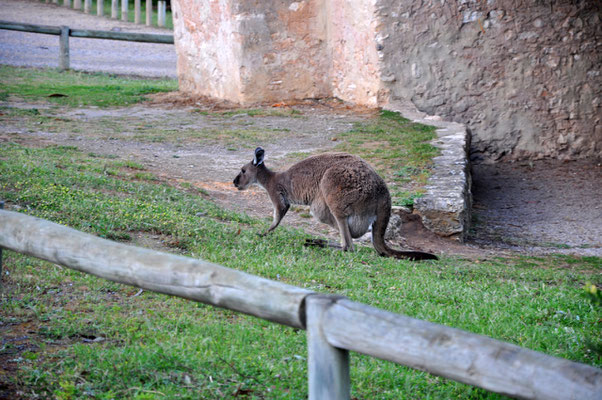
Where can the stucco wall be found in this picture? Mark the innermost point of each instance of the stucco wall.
(209, 48)
(252, 51)
(355, 69)
(524, 76)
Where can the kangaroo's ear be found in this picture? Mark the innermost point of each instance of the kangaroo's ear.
(259, 152)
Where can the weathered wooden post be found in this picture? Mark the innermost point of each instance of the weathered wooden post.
(161, 10)
(114, 8)
(77, 4)
(67, 3)
(64, 49)
(149, 12)
(124, 10)
(327, 366)
(87, 6)
(100, 8)
(137, 7)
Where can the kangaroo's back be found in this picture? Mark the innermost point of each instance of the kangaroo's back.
(304, 178)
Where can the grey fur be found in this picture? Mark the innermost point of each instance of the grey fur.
(342, 191)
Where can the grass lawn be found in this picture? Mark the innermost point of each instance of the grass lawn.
(68, 335)
(77, 89)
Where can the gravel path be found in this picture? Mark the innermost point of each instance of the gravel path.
(98, 55)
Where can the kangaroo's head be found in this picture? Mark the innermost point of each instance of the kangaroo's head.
(248, 173)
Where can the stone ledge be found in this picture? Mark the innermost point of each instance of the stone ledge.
(446, 206)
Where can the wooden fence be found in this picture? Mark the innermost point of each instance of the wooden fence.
(161, 9)
(64, 32)
(334, 324)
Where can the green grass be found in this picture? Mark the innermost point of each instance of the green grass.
(107, 11)
(90, 338)
(398, 148)
(71, 88)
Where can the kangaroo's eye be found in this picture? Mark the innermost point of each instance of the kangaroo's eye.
(243, 170)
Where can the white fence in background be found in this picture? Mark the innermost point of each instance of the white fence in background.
(87, 8)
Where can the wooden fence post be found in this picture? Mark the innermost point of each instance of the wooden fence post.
(161, 10)
(124, 10)
(114, 8)
(77, 4)
(100, 8)
(137, 11)
(149, 12)
(67, 3)
(64, 49)
(327, 366)
(87, 6)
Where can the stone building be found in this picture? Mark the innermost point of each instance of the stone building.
(524, 76)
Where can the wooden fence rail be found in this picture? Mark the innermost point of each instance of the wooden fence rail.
(335, 325)
(64, 32)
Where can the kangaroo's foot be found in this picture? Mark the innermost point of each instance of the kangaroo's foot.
(322, 243)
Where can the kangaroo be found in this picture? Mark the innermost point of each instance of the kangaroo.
(342, 191)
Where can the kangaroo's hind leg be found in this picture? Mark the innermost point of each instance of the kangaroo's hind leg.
(346, 240)
(320, 210)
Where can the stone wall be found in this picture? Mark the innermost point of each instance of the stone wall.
(524, 76)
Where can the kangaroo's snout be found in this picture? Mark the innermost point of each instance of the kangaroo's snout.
(237, 182)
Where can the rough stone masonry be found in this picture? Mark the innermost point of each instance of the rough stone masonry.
(524, 76)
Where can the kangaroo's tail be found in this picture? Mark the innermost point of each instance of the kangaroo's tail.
(378, 237)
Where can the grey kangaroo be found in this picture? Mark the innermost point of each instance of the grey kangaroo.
(342, 191)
